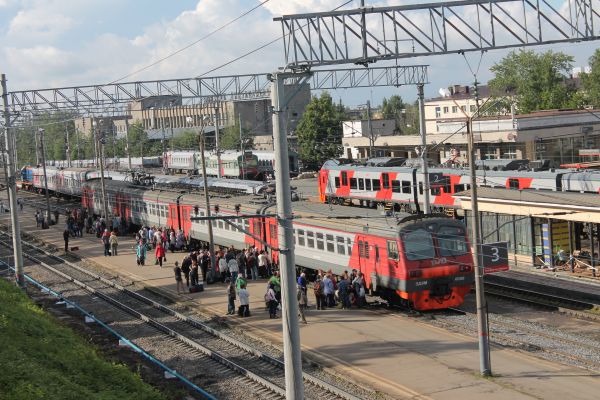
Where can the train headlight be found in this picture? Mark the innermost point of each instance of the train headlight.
(464, 268)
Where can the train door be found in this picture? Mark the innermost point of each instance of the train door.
(366, 255)
(323, 179)
(272, 238)
(185, 213)
(173, 220)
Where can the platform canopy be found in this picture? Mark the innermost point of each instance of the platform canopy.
(568, 206)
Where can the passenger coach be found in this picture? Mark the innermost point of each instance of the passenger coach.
(422, 262)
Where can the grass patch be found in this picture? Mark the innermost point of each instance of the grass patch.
(43, 360)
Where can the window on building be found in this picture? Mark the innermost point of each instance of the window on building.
(446, 110)
(463, 108)
(438, 112)
(454, 109)
(473, 108)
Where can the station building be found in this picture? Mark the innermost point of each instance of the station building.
(557, 135)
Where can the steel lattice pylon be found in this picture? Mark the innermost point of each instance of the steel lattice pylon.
(370, 34)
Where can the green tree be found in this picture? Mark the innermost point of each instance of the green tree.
(320, 131)
(230, 138)
(591, 81)
(187, 140)
(392, 108)
(536, 79)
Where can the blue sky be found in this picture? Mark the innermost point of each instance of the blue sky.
(51, 43)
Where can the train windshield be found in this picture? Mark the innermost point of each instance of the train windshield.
(452, 241)
(418, 245)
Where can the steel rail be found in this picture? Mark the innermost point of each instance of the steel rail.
(189, 320)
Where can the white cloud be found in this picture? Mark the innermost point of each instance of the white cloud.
(39, 24)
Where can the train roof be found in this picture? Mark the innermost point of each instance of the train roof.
(536, 196)
(341, 218)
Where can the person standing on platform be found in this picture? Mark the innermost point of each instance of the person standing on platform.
(106, 242)
(276, 286)
(204, 261)
(231, 298)
(159, 252)
(271, 301)
(114, 243)
(141, 253)
(359, 289)
(319, 296)
(178, 278)
(232, 265)
(194, 273)
(186, 265)
(66, 239)
(244, 301)
(302, 303)
(328, 290)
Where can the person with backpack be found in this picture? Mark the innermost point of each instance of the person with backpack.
(319, 296)
(114, 243)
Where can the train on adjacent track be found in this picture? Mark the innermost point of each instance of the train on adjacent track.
(402, 187)
(423, 262)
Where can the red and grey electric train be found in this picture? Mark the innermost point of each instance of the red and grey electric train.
(421, 262)
(402, 187)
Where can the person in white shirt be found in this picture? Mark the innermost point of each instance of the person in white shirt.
(244, 301)
(232, 265)
(223, 268)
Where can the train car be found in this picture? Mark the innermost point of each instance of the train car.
(266, 163)
(402, 187)
(422, 262)
(234, 164)
(60, 181)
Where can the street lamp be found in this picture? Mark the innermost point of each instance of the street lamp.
(201, 141)
(43, 155)
(100, 141)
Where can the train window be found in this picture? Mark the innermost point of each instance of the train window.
(246, 224)
(273, 231)
(320, 244)
(385, 178)
(361, 184)
(353, 183)
(418, 245)
(392, 249)
(396, 186)
(341, 248)
(436, 191)
(310, 239)
(451, 240)
(344, 178)
(301, 241)
(367, 184)
(363, 249)
(459, 188)
(376, 253)
(420, 187)
(337, 182)
(330, 243)
(406, 186)
(376, 184)
(220, 224)
(513, 183)
(349, 244)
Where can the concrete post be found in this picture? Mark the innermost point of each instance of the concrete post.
(424, 166)
(294, 385)
(11, 184)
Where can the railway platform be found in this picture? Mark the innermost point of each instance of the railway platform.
(392, 353)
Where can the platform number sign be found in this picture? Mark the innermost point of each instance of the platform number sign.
(493, 257)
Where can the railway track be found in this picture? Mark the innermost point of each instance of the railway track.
(221, 364)
(574, 306)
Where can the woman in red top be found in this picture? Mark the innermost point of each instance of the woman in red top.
(159, 252)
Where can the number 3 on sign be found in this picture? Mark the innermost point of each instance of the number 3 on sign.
(495, 254)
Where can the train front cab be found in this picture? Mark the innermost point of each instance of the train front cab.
(435, 262)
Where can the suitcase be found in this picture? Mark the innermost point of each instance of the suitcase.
(197, 288)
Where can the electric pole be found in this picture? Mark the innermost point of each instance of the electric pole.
(242, 145)
(370, 128)
(201, 142)
(485, 367)
(217, 141)
(424, 166)
(68, 145)
(294, 385)
(11, 184)
(43, 155)
(99, 139)
(127, 142)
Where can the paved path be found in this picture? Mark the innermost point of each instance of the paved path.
(396, 354)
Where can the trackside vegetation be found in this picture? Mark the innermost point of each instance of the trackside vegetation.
(41, 359)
